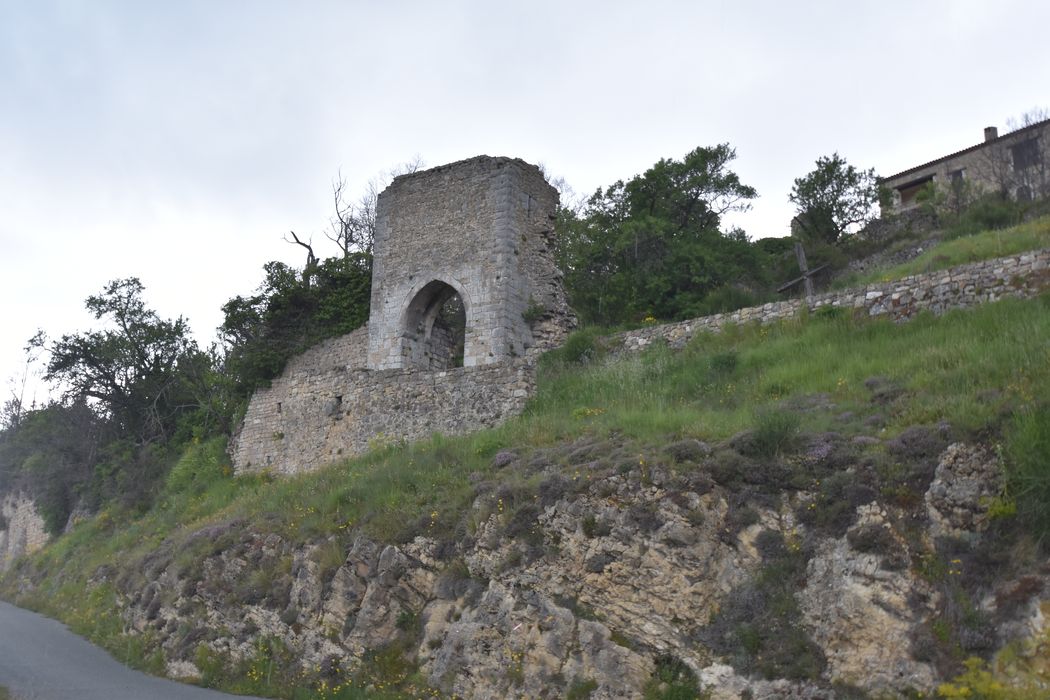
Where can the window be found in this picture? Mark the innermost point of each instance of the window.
(1026, 154)
(955, 176)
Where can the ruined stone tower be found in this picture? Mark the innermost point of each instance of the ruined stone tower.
(472, 239)
(464, 291)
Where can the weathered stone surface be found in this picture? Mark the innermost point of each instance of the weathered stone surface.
(482, 228)
(860, 612)
(967, 480)
(596, 579)
(307, 419)
(21, 528)
(1023, 275)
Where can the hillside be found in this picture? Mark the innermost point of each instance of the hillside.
(825, 507)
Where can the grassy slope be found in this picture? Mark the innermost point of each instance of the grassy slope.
(966, 249)
(986, 372)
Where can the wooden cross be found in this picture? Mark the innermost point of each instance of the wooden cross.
(807, 274)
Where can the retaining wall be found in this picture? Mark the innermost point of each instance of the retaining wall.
(1023, 275)
(319, 414)
(327, 406)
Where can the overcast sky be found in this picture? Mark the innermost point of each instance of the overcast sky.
(178, 141)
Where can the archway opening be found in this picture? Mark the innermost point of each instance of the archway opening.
(435, 328)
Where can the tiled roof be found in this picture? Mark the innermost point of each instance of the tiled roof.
(1030, 127)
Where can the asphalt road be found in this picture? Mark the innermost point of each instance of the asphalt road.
(40, 659)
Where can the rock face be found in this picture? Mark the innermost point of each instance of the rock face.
(965, 485)
(612, 579)
(862, 612)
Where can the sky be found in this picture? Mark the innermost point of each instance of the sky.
(179, 142)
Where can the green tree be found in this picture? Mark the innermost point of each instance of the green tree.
(292, 310)
(133, 371)
(834, 199)
(654, 245)
(50, 454)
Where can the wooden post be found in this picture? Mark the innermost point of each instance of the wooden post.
(800, 254)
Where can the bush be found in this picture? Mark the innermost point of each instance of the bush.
(201, 464)
(989, 212)
(775, 431)
(582, 347)
(672, 680)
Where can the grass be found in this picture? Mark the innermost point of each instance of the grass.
(985, 371)
(986, 245)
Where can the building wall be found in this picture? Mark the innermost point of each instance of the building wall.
(323, 413)
(21, 529)
(991, 166)
(482, 226)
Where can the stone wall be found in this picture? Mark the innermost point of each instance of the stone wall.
(327, 406)
(1022, 275)
(21, 529)
(480, 228)
(319, 413)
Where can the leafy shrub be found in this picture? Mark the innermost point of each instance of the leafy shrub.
(775, 431)
(201, 464)
(989, 212)
(758, 629)
(978, 682)
(687, 451)
(672, 680)
(580, 689)
(582, 347)
(593, 527)
(723, 299)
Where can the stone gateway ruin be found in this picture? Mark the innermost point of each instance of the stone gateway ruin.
(465, 294)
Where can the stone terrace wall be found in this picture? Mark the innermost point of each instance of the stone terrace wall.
(317, 414)
(21, 529)
(326, 406)
(1024, 275)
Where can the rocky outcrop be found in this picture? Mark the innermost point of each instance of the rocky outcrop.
(861, 608)
(614, 575)
(965, 486)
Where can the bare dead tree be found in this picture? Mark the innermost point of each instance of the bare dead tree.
(353, 227)
(15, 408)
(311, 259)
(1019, 165)
(569, 199)
(1031, 156)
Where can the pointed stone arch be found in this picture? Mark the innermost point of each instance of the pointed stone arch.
(483, 227)
(434, 326)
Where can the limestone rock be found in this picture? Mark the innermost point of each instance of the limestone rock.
(860, 613)
(967, 480)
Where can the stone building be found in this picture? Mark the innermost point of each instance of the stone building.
(462, 263)
(465, 293)
(1016, 164)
